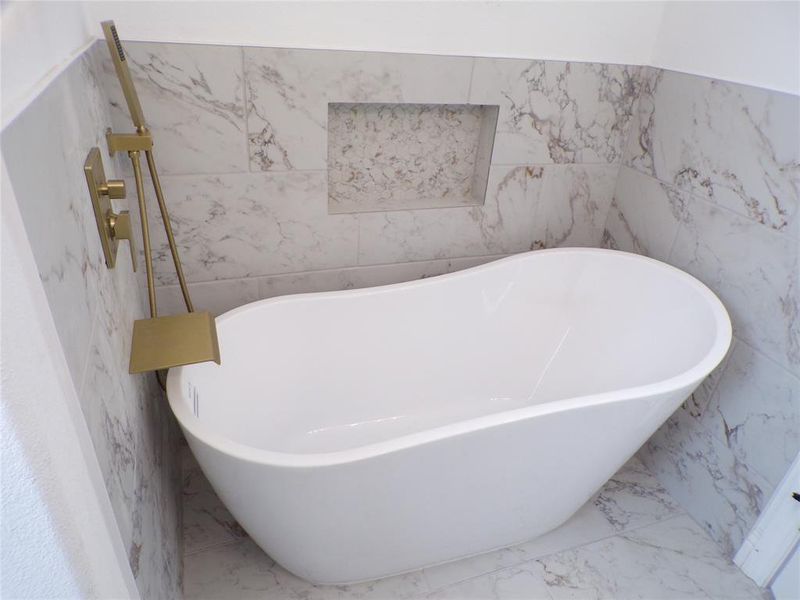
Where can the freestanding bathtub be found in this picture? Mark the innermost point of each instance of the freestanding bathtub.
(363, 433)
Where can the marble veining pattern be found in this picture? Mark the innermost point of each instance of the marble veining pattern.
(288, 92)
(755, 411)
(233, 226)
(396, 156)
(502, 225)
(192, 96)
(735, 145)
(710, 186)
(631, 541)
(218, 112)
(670, 559)
(754, 271)
(644, 215)
(557, 112)
(132, 431)
(572, 205)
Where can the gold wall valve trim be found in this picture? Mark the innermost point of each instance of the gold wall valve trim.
(111, 226)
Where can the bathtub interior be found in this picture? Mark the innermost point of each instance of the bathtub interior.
(328, 372)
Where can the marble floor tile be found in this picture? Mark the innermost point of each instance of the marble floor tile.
(634, 498)
(220, 564)
(206, 521)
(671, 559)
(242, 571)
(587, 525)
(518, 582)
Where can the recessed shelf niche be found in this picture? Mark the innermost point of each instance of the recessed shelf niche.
(408, 156)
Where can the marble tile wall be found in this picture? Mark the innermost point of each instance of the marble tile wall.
(242, 141)
(710, 183)
(131, 427)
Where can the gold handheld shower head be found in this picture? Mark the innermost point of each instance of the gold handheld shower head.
(123, 74)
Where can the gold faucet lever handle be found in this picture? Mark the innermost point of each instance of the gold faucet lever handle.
(113, 188)
(121, 229)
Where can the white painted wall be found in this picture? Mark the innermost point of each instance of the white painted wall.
(37, 41)
(59, 535)
(757, 43)
(616, 32)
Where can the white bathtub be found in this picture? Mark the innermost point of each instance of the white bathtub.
(364, 433)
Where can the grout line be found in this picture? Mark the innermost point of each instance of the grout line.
(347, 268)
(556, 552)
(86, 356)
(214, 546)
(471, 76)
(697, 197)
(168, 175)
(768, 358)
(246, 113)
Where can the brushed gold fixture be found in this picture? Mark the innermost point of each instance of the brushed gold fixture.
(128, 142)
(111, 226)
(158, 343)
(176, 340)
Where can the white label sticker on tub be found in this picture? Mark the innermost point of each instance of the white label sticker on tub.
(195, 396)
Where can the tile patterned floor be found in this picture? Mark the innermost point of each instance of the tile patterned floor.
(631, 541)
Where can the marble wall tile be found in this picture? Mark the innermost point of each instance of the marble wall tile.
(225, 294)
(644, 216)
(754, 271)
(245, 225)
(755, 411)
(735, 145)
(405, 156)
(502, 225)
(93, 309)
(720, 492)
(44, 150)
(108, 415)
(242, 572)
(192, 96)
(288, 92)
(556, 112)
(572, 205)
(710, 185)
(217, 296)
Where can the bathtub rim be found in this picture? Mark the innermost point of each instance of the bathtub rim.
(692, 376)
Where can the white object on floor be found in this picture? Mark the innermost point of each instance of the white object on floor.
(776, 532)
(359, 434)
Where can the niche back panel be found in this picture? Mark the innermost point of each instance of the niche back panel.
(406, 156)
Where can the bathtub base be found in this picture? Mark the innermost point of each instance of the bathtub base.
(438, 502)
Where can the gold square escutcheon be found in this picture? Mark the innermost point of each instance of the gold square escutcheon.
(165, 342)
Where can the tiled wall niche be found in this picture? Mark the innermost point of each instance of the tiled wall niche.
(242, 139)
(405, 156)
